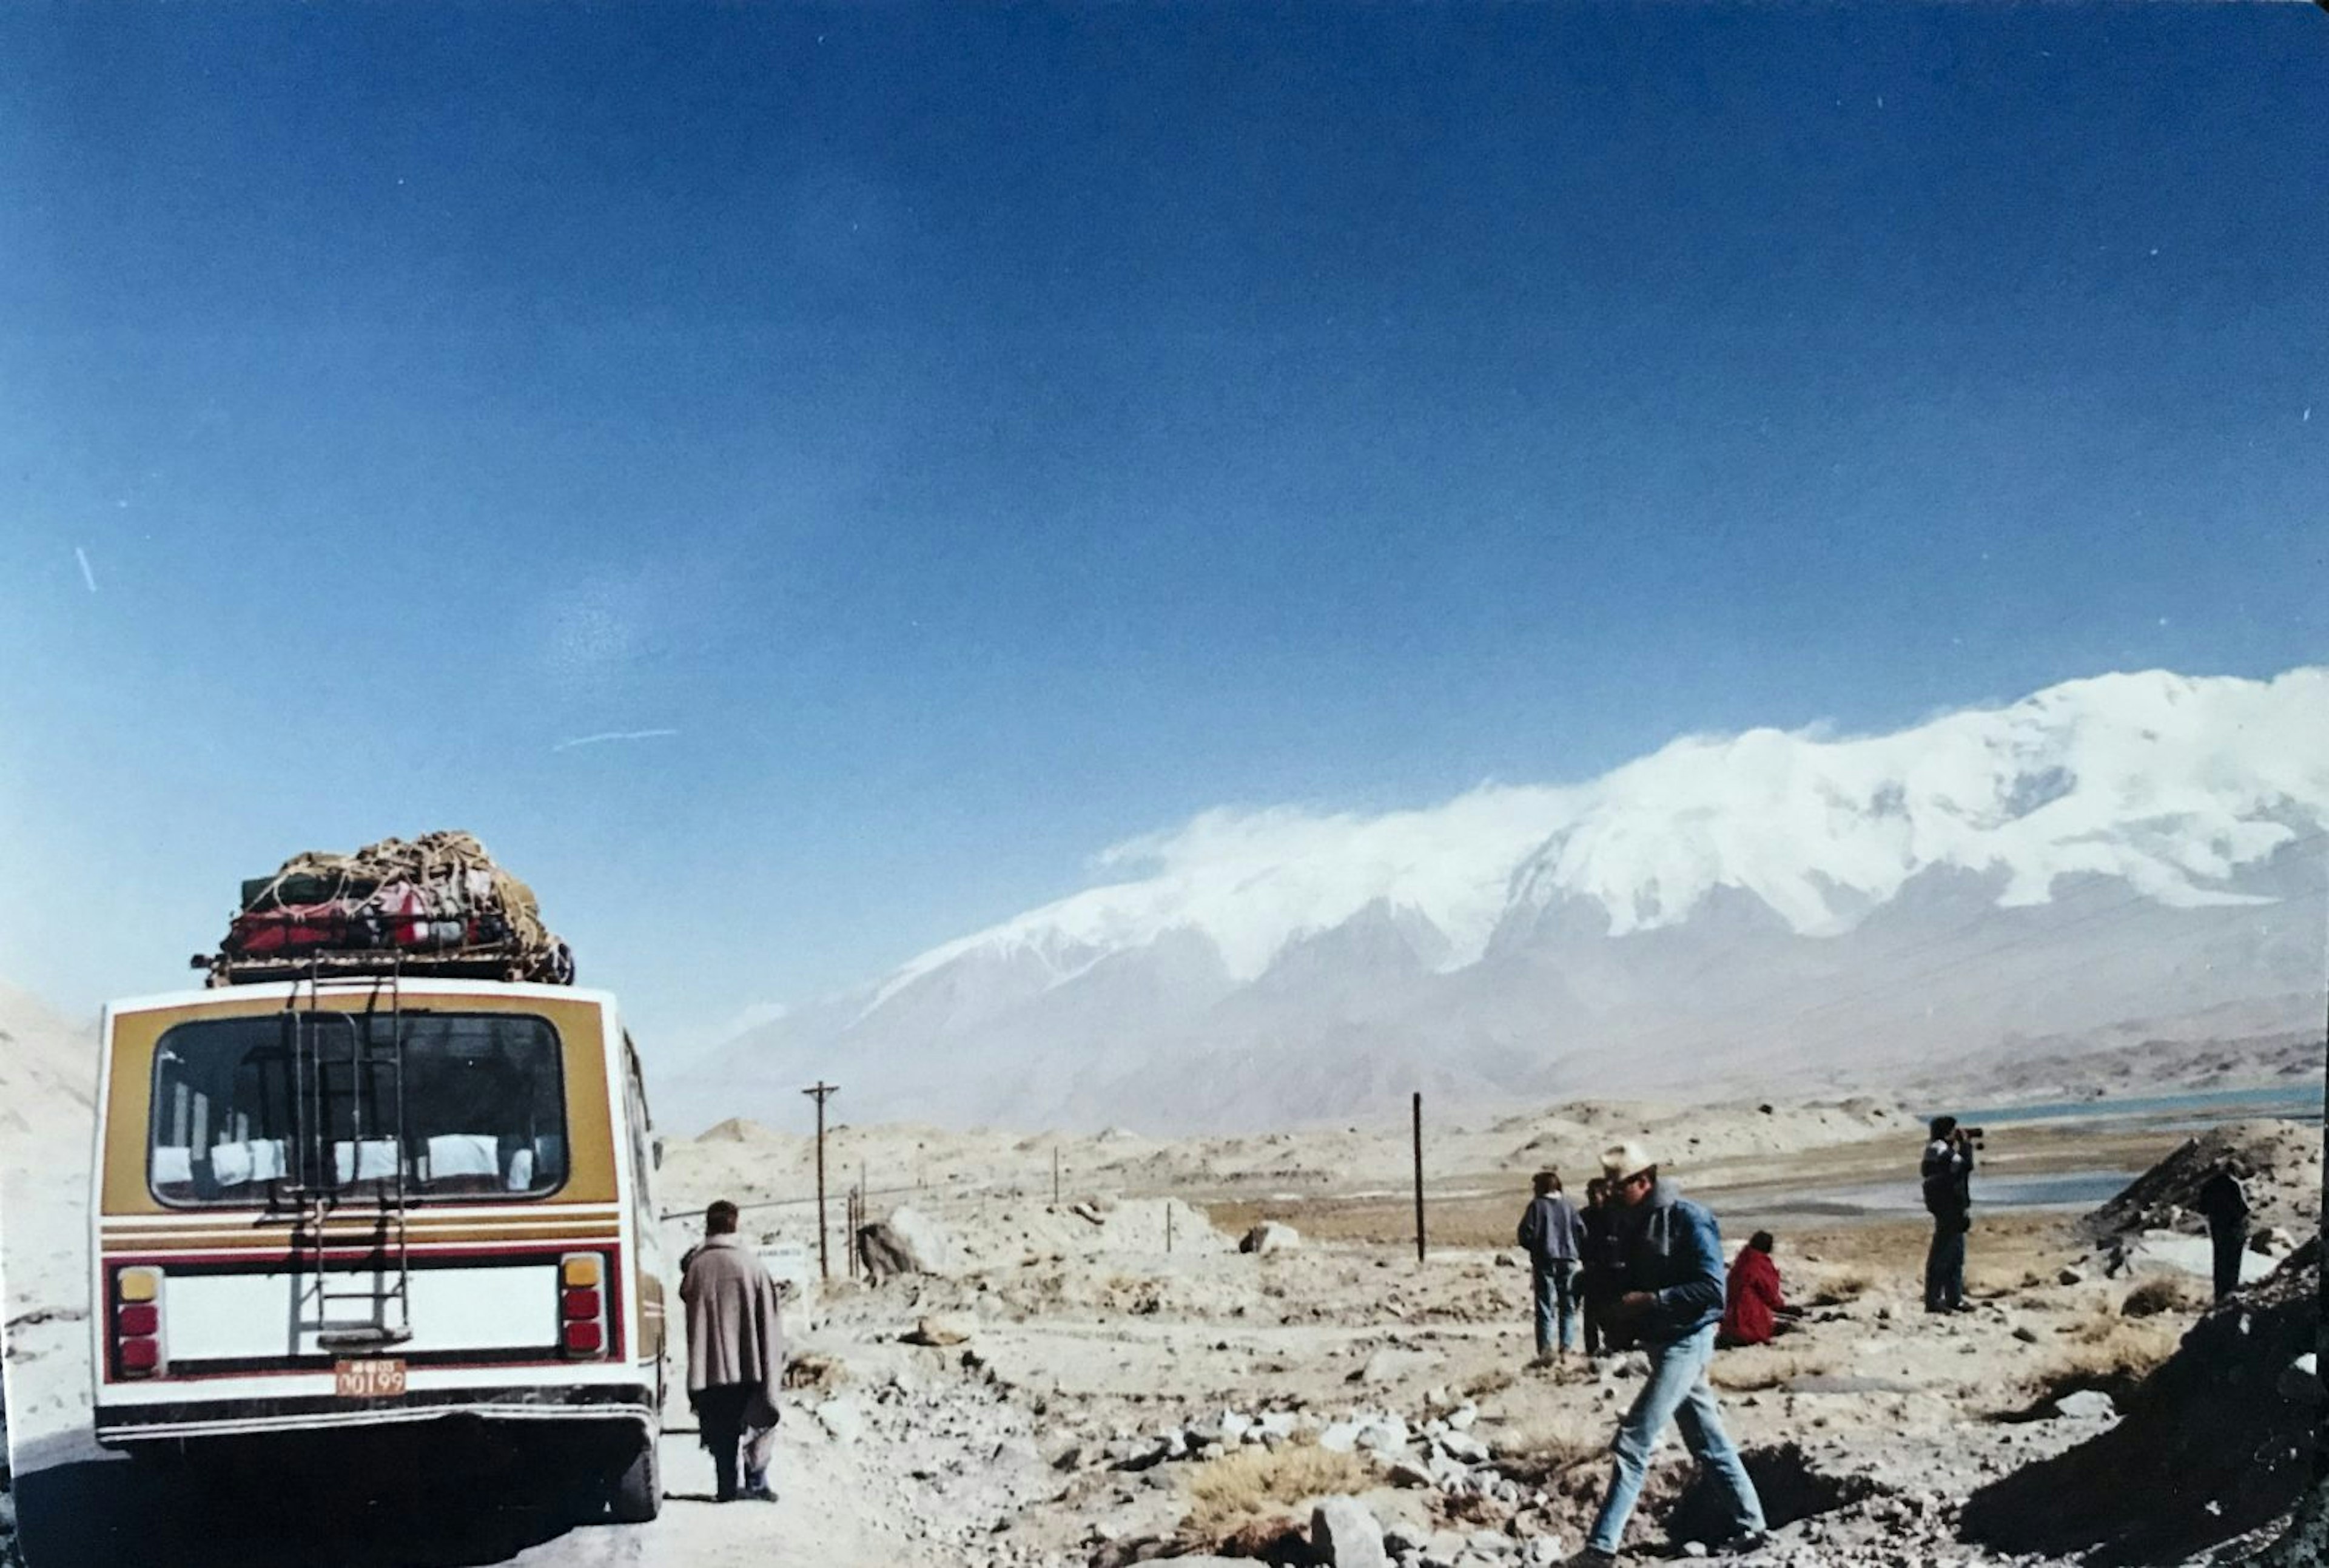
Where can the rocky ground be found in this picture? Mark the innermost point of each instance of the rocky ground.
(1106, 1378)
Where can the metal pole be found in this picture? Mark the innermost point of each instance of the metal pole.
(821, 1093)
(1168, 1224)
(1418, 1175)
(1055, 1175)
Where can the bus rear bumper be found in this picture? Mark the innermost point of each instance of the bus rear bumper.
(127, 1426)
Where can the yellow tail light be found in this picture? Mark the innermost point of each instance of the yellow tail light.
(579, 1273)
(138, 1284)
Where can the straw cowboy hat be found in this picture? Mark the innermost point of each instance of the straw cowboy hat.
(1624, 1160)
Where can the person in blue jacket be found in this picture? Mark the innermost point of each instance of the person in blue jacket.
(1672, 1254)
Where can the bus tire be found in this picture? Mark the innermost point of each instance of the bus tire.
(636, 1496)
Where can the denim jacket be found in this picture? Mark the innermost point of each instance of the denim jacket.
(1672, 1248)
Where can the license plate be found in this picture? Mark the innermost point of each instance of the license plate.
(382, 1379)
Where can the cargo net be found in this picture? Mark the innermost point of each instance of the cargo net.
(436, 905)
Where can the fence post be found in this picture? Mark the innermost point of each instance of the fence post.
(1418, 1175)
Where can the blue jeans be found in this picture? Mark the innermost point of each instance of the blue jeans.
(1557, 1295)
(1677, 1392)
(1945, 1264)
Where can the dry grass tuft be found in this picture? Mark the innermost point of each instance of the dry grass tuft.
(1836, 1287)
(1750, 1369)
(2165, 1294)
(1257, 1484)
(1538, 1449)
(1495, 1381)
(2105, 1352)
(818, 1373)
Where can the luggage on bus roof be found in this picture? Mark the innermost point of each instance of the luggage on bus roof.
(437, 903)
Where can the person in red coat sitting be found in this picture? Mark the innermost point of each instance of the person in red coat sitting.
(1753, 1312)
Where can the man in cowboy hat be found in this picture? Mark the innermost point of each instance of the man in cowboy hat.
(1672, 1254)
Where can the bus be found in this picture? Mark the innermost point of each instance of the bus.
(334, 1208)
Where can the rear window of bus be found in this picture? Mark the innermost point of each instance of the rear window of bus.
(442, 1106)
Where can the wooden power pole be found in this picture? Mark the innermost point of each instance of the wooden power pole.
(821, 1093)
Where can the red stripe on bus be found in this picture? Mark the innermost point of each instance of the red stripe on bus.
(552, 1249)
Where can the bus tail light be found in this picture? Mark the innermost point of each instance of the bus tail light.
(583, 1304)
(136, 1309)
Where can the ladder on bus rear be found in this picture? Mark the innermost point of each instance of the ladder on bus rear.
(338, 1063)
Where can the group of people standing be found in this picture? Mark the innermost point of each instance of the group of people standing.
(1640, 1266)
(1578, 1267)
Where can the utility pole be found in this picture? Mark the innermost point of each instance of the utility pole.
(821, 1093)
(1055, 1175)
(1418, 1175)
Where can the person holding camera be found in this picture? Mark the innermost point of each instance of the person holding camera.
(1947, 1173)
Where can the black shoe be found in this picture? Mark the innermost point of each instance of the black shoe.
(1746, 1541)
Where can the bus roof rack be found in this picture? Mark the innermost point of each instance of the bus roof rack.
(510, 962)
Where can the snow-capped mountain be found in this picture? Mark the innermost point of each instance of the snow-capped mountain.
(2131, 846)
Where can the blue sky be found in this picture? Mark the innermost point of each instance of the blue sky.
(984, 435)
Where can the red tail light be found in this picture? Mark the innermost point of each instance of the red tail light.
(582, 1303)
(136, 1309)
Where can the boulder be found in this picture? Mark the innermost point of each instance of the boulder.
(931, 1243)
(2192, 1257)
(1345, 1534)
(2300, 1383)
(934, 1332)
(1270, 1236)
(1462, 1449)
(884, 1254)
(2086, 1404)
